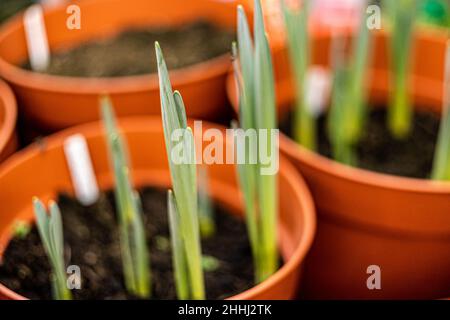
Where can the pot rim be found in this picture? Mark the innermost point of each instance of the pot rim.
(10, 109)
(153, 123)
(115, 85)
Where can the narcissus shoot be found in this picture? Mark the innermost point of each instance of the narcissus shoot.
(49, 224)
(349, 106)
(183, 203)
(296, 22)
(254, 76)
(133, 244)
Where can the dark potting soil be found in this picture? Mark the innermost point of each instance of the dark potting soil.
(91, 242)
(9, 8)
(378, 151)
(133, 52)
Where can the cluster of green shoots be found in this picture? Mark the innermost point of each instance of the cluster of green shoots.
(134, 251)
(50, 229)
(348, 107)
(189, 207)
(185, 215)
(254, 77)
(183, 200)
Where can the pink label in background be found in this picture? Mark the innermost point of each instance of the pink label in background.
(337, 13)
(326, 13)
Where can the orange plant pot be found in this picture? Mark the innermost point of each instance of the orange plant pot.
(55, 102)
(42, 171)
(8, 119)
(400, 224)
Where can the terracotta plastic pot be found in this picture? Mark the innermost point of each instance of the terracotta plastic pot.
(400, 224)
(54, 102)
(42, 171)
(8, 119)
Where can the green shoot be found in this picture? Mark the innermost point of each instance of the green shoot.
(184, 176)
(210, 263)
(254, 76)
(342, 148)
(206, 213)
(51, 232)
(402, 15)
(441, 165)
(21, 229)
(296, 22)
(349, 105)
(179, 254)
(135, 257)
(356, 90)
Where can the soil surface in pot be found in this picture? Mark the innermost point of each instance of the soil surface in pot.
(378, 151)
(10, 7)
(91, 242)
(133, 52)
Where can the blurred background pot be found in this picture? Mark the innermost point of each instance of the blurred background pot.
(400, 224)
(330, 16)
(8, 118)
(41, 170)
(55, 102)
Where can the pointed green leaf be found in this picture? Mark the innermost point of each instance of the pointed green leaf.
(180, 109)
(42, 220)
(246, 60)
(183, 175)
(263, 78)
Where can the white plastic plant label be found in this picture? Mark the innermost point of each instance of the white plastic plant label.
(81, 169)
(36, 36)
(318, 89)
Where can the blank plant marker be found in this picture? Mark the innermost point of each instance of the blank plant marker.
(36, 36)
(81, 169)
